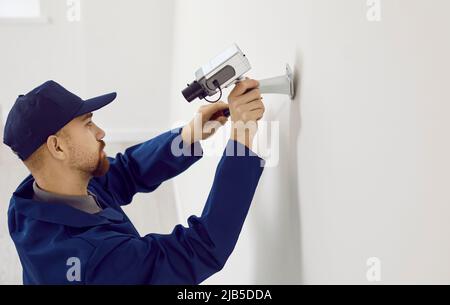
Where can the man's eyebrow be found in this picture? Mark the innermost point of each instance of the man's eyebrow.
(86, 116)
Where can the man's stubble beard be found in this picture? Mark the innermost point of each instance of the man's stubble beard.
(103, 162)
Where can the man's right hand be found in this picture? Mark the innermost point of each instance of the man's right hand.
(246, 109)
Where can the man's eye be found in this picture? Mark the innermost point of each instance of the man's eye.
(89, 123)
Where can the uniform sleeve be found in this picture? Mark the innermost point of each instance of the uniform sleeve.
(187, 255)
(143, 167)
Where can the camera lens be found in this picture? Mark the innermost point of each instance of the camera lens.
(193, 91)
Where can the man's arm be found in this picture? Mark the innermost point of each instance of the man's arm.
(187, 255)
(143, 167)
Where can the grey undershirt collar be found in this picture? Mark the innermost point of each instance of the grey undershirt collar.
(87, 203)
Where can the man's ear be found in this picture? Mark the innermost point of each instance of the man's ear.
(56, 147)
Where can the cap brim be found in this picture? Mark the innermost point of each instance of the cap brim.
(96, 103)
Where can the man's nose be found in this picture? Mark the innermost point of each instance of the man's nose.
(100, 134)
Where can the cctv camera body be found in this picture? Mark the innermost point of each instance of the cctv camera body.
(222, 71)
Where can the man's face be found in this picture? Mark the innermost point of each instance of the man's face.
(84, 140)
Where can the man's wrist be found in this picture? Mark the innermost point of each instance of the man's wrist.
(244, 137)
(187, 135)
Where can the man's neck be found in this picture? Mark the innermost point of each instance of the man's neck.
(69, 185)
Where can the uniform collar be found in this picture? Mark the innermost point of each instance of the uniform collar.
(62, 214)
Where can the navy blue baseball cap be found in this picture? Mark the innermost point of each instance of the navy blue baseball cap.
(43, 112)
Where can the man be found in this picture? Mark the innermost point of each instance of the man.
(66, 219)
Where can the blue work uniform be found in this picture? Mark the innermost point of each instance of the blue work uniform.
(52, 240)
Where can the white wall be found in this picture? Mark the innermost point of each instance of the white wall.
(129, 48)
(364, 151)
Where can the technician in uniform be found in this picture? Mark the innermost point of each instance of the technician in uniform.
(66, 219)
